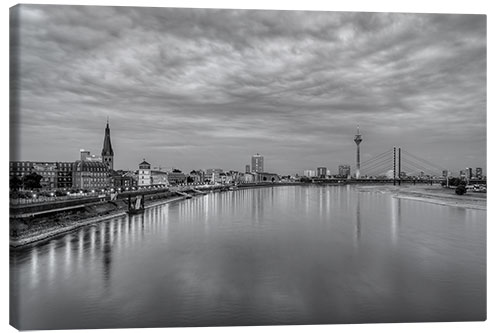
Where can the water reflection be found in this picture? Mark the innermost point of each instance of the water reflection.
(107, 252)
(34, 268)
(261, 256)
(357, 229)
(395, 219)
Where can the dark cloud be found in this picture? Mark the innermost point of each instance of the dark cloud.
(198, 88)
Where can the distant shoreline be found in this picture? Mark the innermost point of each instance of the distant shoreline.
(434, 194)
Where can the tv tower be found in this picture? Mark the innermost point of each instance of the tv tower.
(358, 139)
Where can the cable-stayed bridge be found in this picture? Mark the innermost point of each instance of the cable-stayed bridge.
(399, 165)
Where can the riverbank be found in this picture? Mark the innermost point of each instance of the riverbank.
(435, 194)
(30, 231)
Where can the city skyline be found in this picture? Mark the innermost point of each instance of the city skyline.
(192, 98)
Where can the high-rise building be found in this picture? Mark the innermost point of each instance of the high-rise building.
(257, 163)
(321, 172)
(357, 140)
(468, 173)
(479, 173)
(310, 173)
(144, 174)
(107, 151)
(247, 168)
(344, 170)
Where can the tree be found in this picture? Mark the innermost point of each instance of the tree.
(15, 183)
(189, 179)
(176, 171)
(460, 190)
(32, 181)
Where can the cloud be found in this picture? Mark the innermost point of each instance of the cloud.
(267, 81)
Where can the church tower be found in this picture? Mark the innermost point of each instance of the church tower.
(107, 151)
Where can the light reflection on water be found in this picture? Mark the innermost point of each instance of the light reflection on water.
(284, 255)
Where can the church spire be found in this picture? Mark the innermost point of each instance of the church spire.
(107, 150)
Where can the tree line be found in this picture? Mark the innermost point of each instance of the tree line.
(30, 181)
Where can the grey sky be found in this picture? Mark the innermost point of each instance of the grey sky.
(194, 88)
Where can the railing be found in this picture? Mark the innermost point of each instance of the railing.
(44, 199)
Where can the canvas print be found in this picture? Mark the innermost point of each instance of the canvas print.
(174, 167)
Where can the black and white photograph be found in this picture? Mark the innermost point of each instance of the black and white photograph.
(208, 167)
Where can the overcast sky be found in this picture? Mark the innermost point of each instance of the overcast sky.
(194, 88)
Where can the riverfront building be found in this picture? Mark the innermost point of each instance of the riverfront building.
(247, 178)
(123, 179)
(479, 173)
(159, 177)
(144, 174)
(54, 174)
(257, 163)
(176, 177)
(213, 175)
(64, 172)
(266, 177)
(468, 173)
(310, 173)
(90, 175)
(90, 172)
(344, 171)
(321, 172)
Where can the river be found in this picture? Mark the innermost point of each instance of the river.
(263, 256)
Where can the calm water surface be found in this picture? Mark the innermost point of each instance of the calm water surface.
(284, 255)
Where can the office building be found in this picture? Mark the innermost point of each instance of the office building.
(257, 163)
(479, 173)
(344, 170)
(321, 172)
